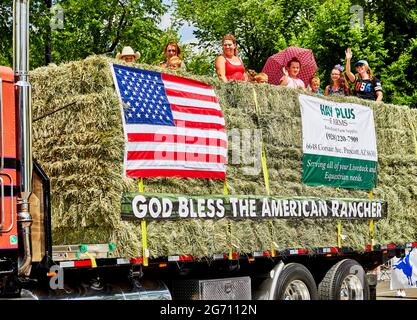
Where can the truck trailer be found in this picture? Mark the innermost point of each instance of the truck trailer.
(34, 266)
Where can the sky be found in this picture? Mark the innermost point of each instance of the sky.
(186, 32)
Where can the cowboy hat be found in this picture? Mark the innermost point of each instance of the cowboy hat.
(128, 51)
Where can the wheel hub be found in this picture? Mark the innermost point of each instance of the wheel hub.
(351, 288)
(297, 290)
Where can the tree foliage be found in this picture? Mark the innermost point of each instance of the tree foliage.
(330, 33)
(89, 27)
(260, 26)
(400, 77)
(400, 18)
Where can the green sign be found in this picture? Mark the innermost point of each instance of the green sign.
(339, 172)
(339, 144)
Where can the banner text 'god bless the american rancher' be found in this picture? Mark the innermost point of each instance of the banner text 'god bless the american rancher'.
(150, 206)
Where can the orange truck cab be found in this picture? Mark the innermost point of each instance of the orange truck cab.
(8, 161)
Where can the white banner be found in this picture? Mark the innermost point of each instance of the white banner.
(343, 130)
(404, 271)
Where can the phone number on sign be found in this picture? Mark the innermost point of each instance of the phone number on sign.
(336, 137)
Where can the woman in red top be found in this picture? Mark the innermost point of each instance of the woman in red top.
(229, 66)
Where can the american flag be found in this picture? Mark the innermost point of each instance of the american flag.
(174, 127)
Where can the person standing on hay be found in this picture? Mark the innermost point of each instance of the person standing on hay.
(314, 86)
(290, 78)
(250, 75)
(172, 49)
(229, 66)
(128, 55)
(174, 63)
(261, 78)
(366, 86)
(338, 84)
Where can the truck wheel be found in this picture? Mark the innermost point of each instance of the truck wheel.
(296, 283)
(346, 280)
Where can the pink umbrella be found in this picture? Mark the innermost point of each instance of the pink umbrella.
(274, 64)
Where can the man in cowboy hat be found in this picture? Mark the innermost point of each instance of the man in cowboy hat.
(128, 55)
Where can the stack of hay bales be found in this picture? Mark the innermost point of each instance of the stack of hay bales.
(78, 140)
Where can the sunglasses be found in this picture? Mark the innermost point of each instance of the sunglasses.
(172, 50)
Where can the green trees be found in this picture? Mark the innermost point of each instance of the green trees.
(386, 39)
(6, 33)
(400, 77)
(400, 19)
(261, 27)
(100, 27)
(89, 27)
(330, 32)
(399, 74)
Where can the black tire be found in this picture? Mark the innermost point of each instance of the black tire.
(295, 273)
(330, 288)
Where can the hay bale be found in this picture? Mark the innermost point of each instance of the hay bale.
(81, 149)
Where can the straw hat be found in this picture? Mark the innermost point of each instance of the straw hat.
(128, 51)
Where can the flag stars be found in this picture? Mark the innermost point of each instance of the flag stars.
(144, 98)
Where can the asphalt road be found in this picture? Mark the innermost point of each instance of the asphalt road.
(383, 292)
